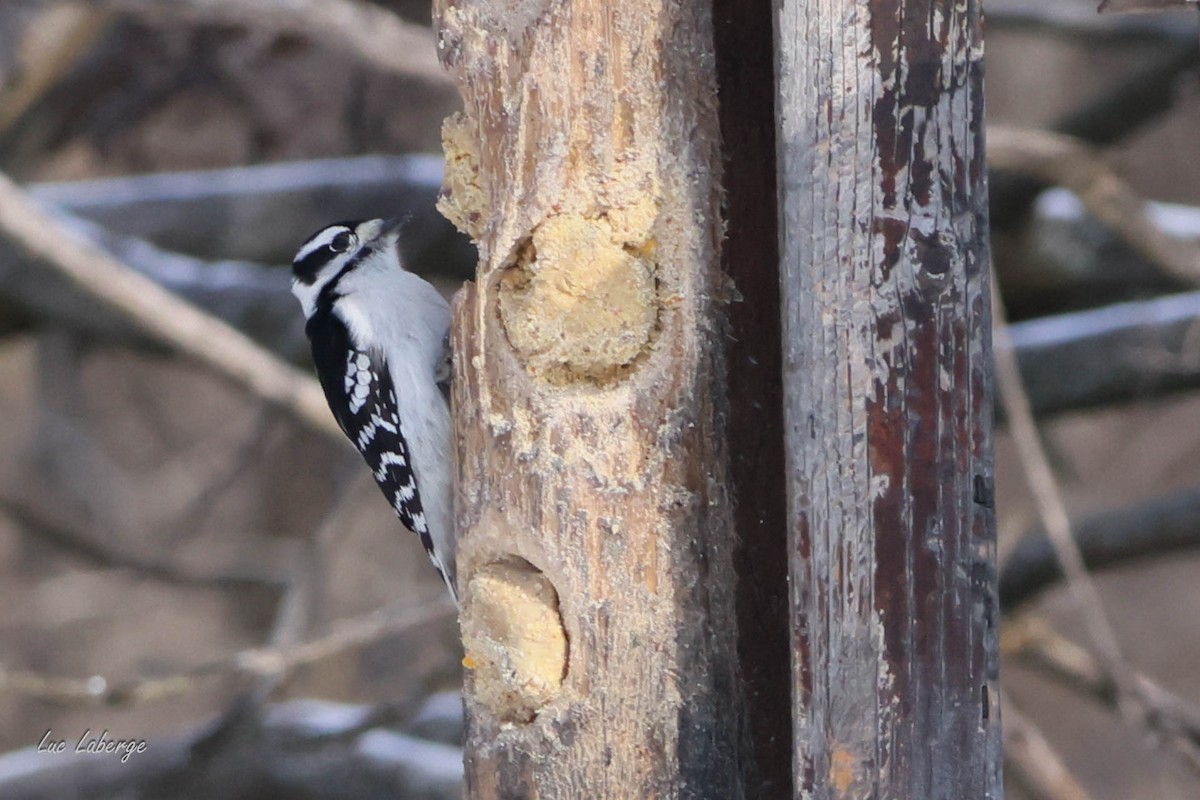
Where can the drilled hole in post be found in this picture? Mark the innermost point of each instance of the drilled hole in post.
(579, 302)
(514, 639)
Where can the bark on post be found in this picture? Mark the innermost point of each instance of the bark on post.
(888, 398)
(595, 561)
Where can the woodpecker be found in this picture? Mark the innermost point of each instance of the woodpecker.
(380, 342)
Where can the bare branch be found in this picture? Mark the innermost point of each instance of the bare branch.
(161, 314)
(279, 204)
(1036, 763)
(190, 212)
(65, 33)
(208, 487)
(299, 605)
(1159, 526)
(35, 521)
(1146, 93)
(374, 34)
(1043, 485)
(1167, 714)
(1065, 260)
(250, 297)
(1066, 162)
(256, 662)
(1118, 353)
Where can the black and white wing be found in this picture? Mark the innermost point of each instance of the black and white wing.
(359, 388)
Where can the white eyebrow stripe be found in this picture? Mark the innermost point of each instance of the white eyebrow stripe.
(322, 239)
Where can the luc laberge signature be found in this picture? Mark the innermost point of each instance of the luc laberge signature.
(93, 744)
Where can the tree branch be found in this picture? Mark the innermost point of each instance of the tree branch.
(1114, 354)
(1147, 92)
(1043, 485)
(1167, 714)
(375, 35)
(1037, 765)
(66, 33)
(344, 635)
(110, 555)
(160, 314)
(1067, 162)
(1066, 260)
(1157, 527)
(276, 204)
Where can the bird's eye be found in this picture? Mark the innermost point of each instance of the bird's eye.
(342, 242)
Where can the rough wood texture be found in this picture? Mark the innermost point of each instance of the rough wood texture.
(888, 398)
(592, 460)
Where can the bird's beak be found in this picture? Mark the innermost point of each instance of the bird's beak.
(391, 227)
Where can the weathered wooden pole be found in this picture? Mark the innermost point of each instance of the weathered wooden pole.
(888, 398)
(595, 564)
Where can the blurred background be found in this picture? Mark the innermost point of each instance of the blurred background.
(176, 551)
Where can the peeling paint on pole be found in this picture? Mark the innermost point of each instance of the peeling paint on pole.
(888, 398)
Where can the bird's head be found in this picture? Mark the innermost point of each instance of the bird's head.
(336, 250)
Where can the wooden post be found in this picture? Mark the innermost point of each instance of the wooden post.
(595, 564)
(888, 398)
